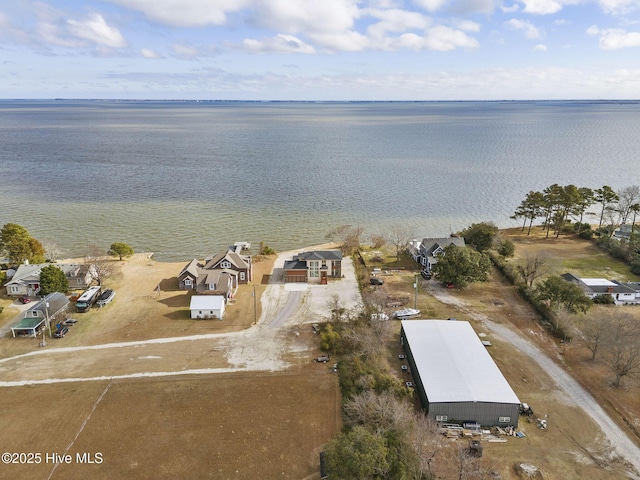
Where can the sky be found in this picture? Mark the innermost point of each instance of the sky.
(320, 49)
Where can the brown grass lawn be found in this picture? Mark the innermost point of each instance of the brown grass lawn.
(243, 426)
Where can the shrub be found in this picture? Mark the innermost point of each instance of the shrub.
(635, 265)
(603, 299)
(507, 248)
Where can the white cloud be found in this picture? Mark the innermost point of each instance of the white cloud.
(349, 41)
(511, 9)
(542, 7)
(430, 5)
(147, 53)
(618, 7)
(95, 29)
(395, 20)
(308, 16)
(615, 38)
(278, 44)
(524, 26)
(185, 13)
(459, 7)
(444, 39)
(185, 51)
(540, 48)
(468, 26)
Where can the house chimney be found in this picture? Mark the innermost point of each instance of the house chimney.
(609, 289)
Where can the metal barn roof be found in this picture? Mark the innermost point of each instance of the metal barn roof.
(453, 364)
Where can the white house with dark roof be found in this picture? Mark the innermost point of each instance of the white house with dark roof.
(315, 266)
(426, 251)
(622, 293)
(26, 279)
(217, 275)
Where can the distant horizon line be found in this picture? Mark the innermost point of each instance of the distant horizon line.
(88, 99)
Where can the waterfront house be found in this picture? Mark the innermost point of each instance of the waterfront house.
(313, 267)
(217, 275)
(426, 251)
(26, 279)
(622, 293)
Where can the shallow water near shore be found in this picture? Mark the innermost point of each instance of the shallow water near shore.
(186, 179)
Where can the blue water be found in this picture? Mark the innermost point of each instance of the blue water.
(185, 179)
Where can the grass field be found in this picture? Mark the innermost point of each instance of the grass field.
(241, 426)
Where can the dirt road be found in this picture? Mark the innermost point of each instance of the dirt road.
(573, 392)
(262, 347)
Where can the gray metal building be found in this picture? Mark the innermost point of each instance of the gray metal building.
(454, 375)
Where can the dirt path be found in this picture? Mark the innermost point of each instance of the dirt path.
(572, 390)
(263, 347)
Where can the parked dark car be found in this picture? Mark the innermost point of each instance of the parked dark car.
(376, 281)
(61, 331)
(24, 299)
(426, 275)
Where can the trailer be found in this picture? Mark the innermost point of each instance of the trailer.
(87, 299)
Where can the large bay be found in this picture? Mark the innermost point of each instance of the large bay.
(185, 179)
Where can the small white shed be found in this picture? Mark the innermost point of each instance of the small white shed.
(207, 306)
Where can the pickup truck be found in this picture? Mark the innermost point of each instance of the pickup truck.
(322, 358)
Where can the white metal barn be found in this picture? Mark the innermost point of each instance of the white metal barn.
(454, 375)
(207, 306)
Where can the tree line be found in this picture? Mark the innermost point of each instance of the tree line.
(557, 205)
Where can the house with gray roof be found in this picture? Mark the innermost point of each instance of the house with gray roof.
(622, 293)
(35, 317)
(315, 266)
(26, 279)
(426, 251)
(217, 275)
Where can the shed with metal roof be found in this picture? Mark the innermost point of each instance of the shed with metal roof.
(454, 375)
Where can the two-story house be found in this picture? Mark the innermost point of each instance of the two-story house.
(217, 275)
(313, 267)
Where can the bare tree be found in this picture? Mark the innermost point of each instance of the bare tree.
(426, 442)
(594, 329)
(52, 252)
(380, 412)
(347, 236)
(533, 268)
(399, 236)
(100, 266)
(622, 352)
(336, 307)
(627, 197)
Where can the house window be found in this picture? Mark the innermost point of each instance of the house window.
(212, 286)
(79, 280)
(14, 289)
(187, 282)
(225, 264)
(504, 419)
(441, 418)
(314, 269)
(241, 275)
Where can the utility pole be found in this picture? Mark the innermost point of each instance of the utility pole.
(255, 305)
(415, 285)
